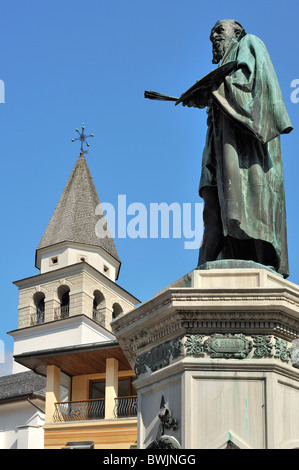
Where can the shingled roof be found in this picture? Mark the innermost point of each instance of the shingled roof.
(74, 218)
(23, 384)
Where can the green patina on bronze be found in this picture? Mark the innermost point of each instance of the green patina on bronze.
(262, 346)
(294, 353)
(218, 346)
(283, 352)
(242, 181)
(159, 356)
(242, 155)
(228, 346)
(194, 345)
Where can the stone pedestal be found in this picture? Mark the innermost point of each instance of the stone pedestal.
(217, 359)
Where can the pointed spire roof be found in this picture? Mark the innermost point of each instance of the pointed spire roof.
(74, 218)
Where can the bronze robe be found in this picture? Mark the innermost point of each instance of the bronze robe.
(242, 155)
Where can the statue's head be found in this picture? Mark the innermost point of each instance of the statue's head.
(221, 35)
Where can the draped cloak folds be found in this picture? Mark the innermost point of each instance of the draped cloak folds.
(242, 154)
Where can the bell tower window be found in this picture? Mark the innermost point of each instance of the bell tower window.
(64, 297)
(39, 302)
(54, 260)
(117, 310)
(99, 305)
(106, 269)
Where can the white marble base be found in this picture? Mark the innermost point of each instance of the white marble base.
(220, 346)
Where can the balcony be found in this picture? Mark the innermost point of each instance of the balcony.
(37, 318)
(125, 407)
(98, 317)
(79, 410)
(61, 312)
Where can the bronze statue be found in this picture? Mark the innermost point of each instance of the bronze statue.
(242, 181)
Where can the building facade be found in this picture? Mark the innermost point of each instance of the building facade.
(64, 329)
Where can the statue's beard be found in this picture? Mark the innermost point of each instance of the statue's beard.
(219, 48)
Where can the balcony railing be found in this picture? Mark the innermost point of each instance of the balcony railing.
(125, 407)
(61, 312)
(37, 318)
(79, 410)
(98, 317)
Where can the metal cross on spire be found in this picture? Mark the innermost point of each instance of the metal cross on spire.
(82, 137)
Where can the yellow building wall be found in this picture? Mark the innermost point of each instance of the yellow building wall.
(80, 383)
(106, 434)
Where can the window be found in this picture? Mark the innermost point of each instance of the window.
(97, 389)
(126, 402)
(116, 310)
(96, 403)
(64, 298)
(53, 260)
(79, 445)
(40, 310)
(125, 387)
(98, 310)
(39, 302)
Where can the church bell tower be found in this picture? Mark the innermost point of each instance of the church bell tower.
(74, 298)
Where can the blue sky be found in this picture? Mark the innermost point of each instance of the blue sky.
(65, 62)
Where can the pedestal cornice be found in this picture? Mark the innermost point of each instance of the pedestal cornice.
(248, 302)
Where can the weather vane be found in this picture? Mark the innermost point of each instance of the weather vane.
(82, 137)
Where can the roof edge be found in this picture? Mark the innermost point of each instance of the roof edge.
(69, 350)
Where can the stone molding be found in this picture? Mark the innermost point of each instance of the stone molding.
(216, 346)
(270, 322)
(198, 303)
(251, 302)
